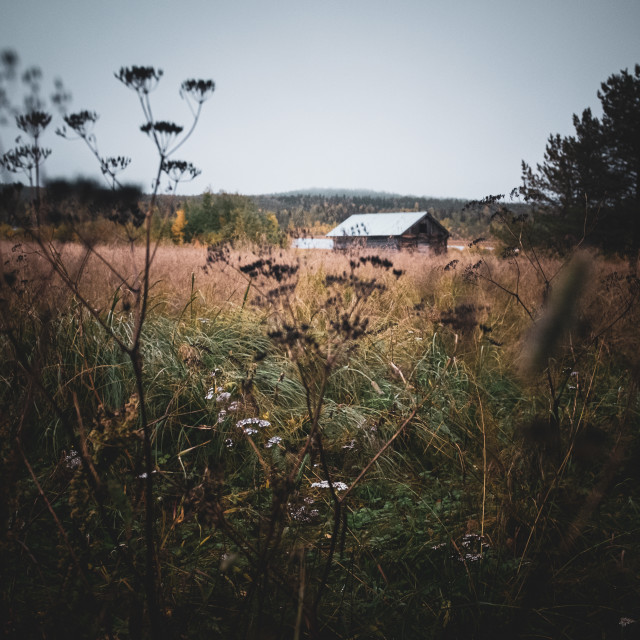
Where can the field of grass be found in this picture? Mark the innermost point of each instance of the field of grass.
(343, 445)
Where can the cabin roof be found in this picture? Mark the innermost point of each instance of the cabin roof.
(380, 224)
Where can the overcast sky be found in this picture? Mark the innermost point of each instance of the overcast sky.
(425, 97)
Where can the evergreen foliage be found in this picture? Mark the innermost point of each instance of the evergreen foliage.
(589, 183)
(229, 218)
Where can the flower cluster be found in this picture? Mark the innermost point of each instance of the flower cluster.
(210, 394)
(81, 122)
(180, 170)
(474, 545)
(162, 132)
(33, 123)
(302, 512)
(72, 460)
(247, 425)
(470, 557)
(198, 90)
(324, 484)
(273, 441)
(141, 79)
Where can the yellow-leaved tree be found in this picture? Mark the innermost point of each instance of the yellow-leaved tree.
(177, 228)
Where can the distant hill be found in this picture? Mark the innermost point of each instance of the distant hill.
(330, 193)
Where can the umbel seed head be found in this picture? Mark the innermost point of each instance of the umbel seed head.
(141, 79)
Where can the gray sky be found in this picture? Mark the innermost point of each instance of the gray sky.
(422, 97)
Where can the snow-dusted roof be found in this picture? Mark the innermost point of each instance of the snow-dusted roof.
(377, 224)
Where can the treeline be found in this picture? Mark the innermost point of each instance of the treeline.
(322, 211)
(85, 208)
(224, 217)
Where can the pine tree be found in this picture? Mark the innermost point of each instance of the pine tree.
(591, 180)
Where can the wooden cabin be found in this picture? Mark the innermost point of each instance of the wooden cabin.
(417, 230)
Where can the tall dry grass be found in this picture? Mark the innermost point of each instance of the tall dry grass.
(430, 283)
(477, 477)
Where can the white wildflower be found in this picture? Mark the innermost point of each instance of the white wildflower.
(273, 441)
(470, 557)
(229, 443)
(233, 407)
(210, 394)
(223, 397)
(302, 514)
(72, 460)
(222, 414)
(469, 538)
(324, 484)
(144, 476)
(255, 421)
(625, 622)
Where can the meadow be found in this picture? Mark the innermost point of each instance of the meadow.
(342, 445)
